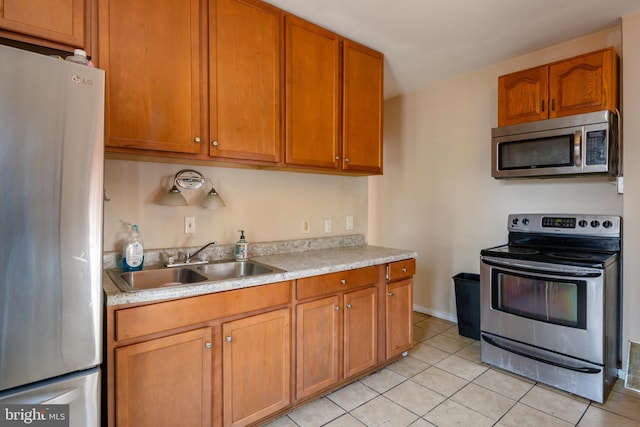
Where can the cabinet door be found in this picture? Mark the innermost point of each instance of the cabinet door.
(522, 96)
(317, 345)
(399, 317)
(59, 21)
(583, 84)
(312, 95)
(362, 109)
(256, 364)
(150, 50)
(360, 331)
(165, 381)
(245, 80)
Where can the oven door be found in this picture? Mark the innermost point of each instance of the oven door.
(558, 308)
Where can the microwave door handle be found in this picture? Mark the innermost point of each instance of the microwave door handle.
(577, 149)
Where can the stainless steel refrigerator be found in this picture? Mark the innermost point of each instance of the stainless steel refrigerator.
(51, 197)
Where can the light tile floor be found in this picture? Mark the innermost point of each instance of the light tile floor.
(443, 383)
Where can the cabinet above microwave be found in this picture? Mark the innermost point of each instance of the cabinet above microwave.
(580, 144)
(583, 84)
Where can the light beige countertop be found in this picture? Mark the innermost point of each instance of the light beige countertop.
(297, 264)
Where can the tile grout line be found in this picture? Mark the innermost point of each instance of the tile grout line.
(467, 344)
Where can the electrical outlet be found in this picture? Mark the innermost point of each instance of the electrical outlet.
(327, 226)
(349, 222)
(305, 226)
(189, 224)
(620, 184)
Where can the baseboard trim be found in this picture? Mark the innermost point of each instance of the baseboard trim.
(435, 313)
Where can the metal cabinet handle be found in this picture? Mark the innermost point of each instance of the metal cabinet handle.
(390, 294)
(346, 159)
(214, 143)
(348, 305)
(553, 105)
(229, 339)
(404, 269)
(196, 139)
(337, 157)
(337, 308)
(208, 345)
(343, 281)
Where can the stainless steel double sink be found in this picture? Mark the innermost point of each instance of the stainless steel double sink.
(133, 281)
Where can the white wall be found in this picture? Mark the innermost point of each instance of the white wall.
(269, 205)
(631, 129)
(437, 195)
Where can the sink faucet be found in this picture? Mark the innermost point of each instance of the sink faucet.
(187, 257)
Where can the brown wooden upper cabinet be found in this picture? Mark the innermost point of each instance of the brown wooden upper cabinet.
(312, 95)
(363, 94)
(238, 81)
(577, 85)
(332, 123)
(245, 80)
(52, 23)
(151, 51)
(157, 78)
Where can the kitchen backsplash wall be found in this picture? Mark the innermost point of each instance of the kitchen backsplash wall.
(268, 205)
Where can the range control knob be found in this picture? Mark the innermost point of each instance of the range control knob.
(607, 224)
(583, 223)
(515, 221)
(595, 223)
(525, 221)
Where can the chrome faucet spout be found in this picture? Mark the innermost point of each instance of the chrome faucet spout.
(187, 257)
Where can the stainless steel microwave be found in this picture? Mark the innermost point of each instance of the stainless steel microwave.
(580, 144)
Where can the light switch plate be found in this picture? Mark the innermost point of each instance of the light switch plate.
(327, 226)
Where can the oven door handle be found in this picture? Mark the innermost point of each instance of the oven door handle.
(543, 271)
(583, 369)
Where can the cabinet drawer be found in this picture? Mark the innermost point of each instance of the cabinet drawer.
(309, 287)
(149, 319)
(401, 269)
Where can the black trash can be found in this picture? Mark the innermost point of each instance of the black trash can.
(468, 304)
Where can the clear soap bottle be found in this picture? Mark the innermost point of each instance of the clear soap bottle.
(242, 248)
(133, 251)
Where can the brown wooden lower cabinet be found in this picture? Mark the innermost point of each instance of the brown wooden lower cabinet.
(165, 381)
(399, 307)
(360, 331)
(317, 345)
(399, 317)
(230, 358)
(336, 327)
(333, 329)
(256, 365)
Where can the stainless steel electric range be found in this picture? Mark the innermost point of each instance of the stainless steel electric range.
(550, 301)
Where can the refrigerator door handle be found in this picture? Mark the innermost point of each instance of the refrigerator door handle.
(63, 398)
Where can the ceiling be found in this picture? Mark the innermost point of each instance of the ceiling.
(425, 41)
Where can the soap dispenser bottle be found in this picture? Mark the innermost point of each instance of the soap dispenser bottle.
(133, 251)
(242, 248)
